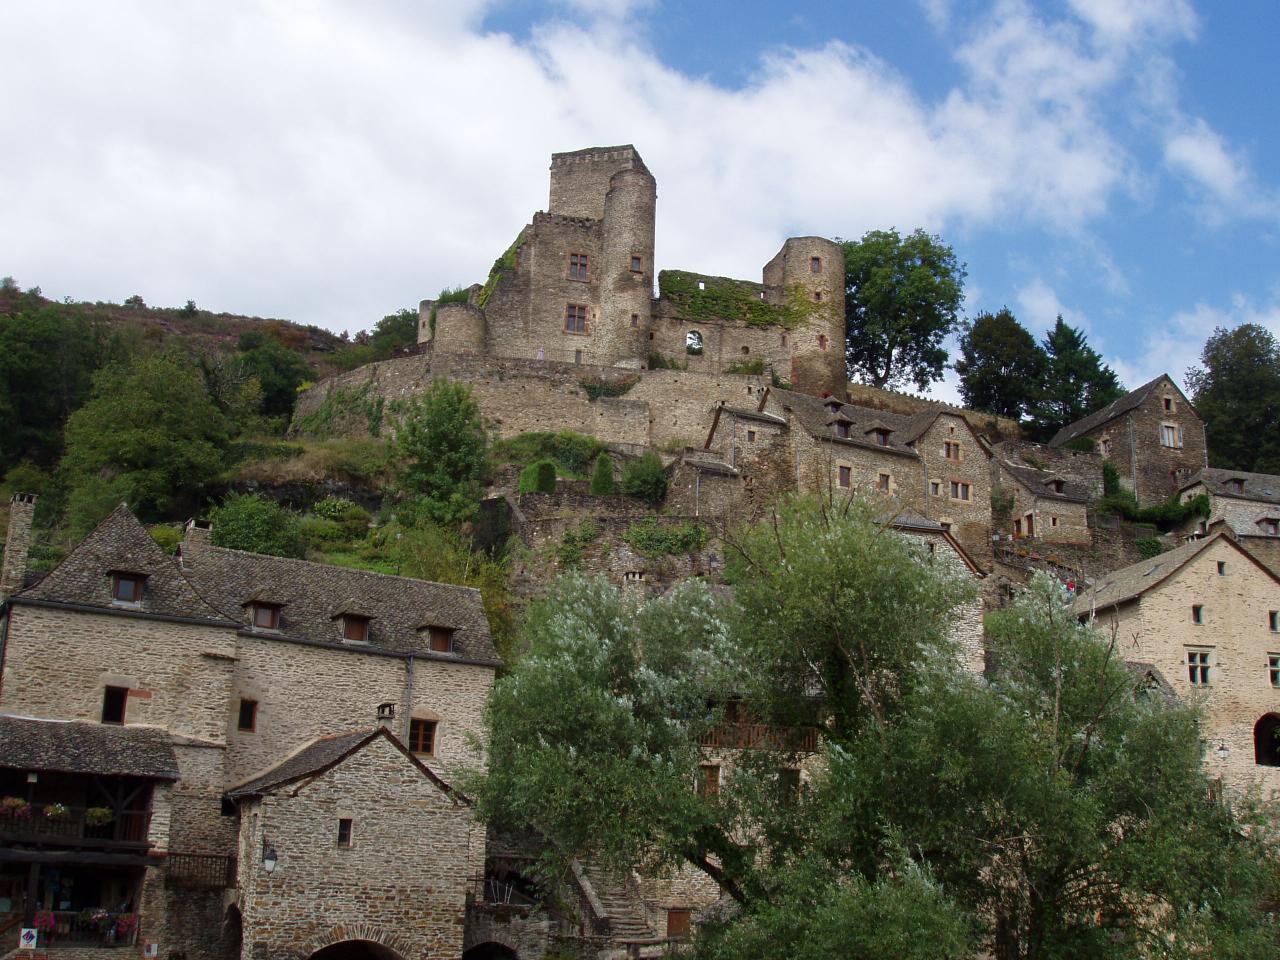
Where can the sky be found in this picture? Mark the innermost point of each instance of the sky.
(1112, 161)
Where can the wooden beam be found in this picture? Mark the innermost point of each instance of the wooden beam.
(73, 857)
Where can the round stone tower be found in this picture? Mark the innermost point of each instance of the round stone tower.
(460, 328)
(810, 271)
(626, 289)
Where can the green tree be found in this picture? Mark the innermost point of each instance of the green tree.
(254, 523)
(151, 433)
(399, 329)
(1236, 389)
(1076, 381)
(602, 484)
(645, 478)
(47, 360)
(1001, 367)
(278, 370)
(902, 300)
(1057, 811)
(440, 449)
(538, 477)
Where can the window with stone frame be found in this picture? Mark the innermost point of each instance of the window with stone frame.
(127, 588)
(1198, 667)
(637, 263)
(1168, 404)
(1273, 669)
(265, 616)
(1170, 435)
(355, 628)
(247, 721)
(578, 266)
(751, 436)
(881, 437)
(1273, 621)
(115, 702)
(935, 488)
(883, 482)
(844, 476)
(961, 490)
(815, 264)
(1197, 614)
(951, 450)
(422, 736)
(575, 318)
(345, 825)
(440, 639)
(679, 923)
(709, 780)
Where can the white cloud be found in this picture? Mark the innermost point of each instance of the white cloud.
(1219, 177)
(335, 165)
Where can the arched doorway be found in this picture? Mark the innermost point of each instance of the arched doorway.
(490, 951)
(1266, 741)
(355, 950)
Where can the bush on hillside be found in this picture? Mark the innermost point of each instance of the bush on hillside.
(602, 484)
(254, 523)
(538, 477)
(645, 478)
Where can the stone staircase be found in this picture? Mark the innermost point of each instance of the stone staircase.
(622, 907)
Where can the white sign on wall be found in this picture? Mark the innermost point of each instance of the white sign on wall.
(151, 950)
(27, 940)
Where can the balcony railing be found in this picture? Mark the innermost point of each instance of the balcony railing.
(746, 736)
(490, 891)
(201, 870)
(61, 823)
(87, 928)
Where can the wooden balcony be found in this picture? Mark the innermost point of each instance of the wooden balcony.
(56, 824)
(762, 736)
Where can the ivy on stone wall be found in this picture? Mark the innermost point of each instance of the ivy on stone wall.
(755, 366)
(648, 538)
(595, 388)
(338, 406)
(504, 265)
(700, 299)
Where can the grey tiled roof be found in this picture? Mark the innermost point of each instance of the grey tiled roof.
(1130, 401)
(319, 755)
(762, 416)
(1264, 487)
(311, 595)
(1037, 482)
(79, 747)
(121, 544)
(816, 415)
(1127, 583)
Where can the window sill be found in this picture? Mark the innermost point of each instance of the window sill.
(577, 333)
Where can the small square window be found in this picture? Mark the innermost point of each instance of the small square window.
(959, 490)
(1222, 568)
(248, 719)
(751, 436)
(702, 284)
(951, 450)
(1273, 669)
(1197, 613)
(577, 266)
(842, 431)
(577, 357)
(845, 476)
(817, 296)
(1198, 667)
(935, 488)
(1168, 403)
(815, 264)
(126, 588)
(1273, 620)
(440, 639)
(635, 319)
(355, 629)
(114, 703)
(637, 264)
(422, 736)
(882, 483)
(266, 616)
(678, 923)
(575, 318)
(344, 832)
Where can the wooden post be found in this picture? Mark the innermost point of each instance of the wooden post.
(29, 908)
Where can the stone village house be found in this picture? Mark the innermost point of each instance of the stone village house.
(1247, 503)
(227, 754)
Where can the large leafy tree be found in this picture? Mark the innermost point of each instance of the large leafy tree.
(278, 370)
(47, 360)
(399, 329)
(150, 435)
(440, 448)
(1237, 392)
(1056, 812)
(1001, 366)
(1076, 381)
(902, 300)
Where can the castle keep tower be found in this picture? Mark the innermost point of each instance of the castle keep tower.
(810, 270)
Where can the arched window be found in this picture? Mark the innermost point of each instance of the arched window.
(693, 342)
(1266, 741)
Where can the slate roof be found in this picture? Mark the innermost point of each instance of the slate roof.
(321, 754)
(310, 595)
(745, 414)
(121, 544)
(1264, 487)
(1037, 482)
(78, 747)
(1129, 583)
(814, 414)
(1149, 675)
(1130, 401)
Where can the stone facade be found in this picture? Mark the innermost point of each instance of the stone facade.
(1153, 437)
(1156, 622)
(13, 566)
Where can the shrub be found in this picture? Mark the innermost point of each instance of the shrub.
(1149, 547)
(755, 366)
(596, 388)
(645, 478)
(647, 537)
(572, 451)
(1002, 501)
(254, 523)
(1110, 479)
(1084, 444)
(538, 477)
(1164, 516)
(575, 540)
(602, 484)
(351, 518)
(441, 448)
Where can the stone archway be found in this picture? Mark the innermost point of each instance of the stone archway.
(360, 941)
(1266, 741)
(490, 951)
(356, 950)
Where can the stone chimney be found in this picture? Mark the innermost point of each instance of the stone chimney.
(198, 531)
(13, 569)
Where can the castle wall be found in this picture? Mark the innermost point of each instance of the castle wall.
(580, 178)
(814, 268)
(725, 343)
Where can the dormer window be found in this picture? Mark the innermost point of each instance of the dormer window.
(126, 588)
(842, 430)
(265, 616)
(1270, 526)
(355, 628)
(1057, 486)
(1235, 485)
(880, 436)
(440, 639)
